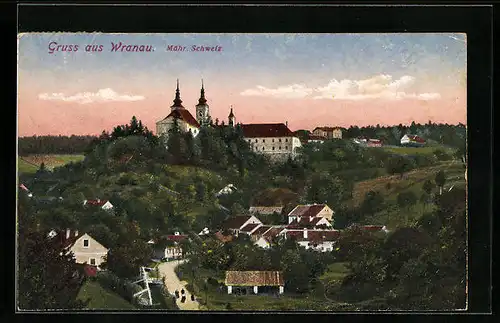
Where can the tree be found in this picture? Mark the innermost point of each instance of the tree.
(440, 180)
(126, 258)
(405, 201)
(46, 278)
(373, 203)
(428, 186)
(398, 165)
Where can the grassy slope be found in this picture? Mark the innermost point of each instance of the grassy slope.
(391, 216)
(427, 150)
(29, 164)
(101, 298)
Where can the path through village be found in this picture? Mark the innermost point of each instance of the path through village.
(173, 283)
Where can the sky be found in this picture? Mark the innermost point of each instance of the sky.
(307, 80)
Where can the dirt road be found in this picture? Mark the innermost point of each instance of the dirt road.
(172, 283)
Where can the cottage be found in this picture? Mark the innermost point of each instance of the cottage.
(103, 204)
(265, 240)
(328, 132)
(318, 240)
(85, 249)
(236, 223)
(310, 211)
(310, 223)
(272, 139)
(266, 281)
(169, 247)
(412, 140)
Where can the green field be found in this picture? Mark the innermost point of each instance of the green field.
(101, 298)
(30, 164)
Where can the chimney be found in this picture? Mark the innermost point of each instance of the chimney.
(305, 233)
(68, 231)
(286, 123)
(76, 233)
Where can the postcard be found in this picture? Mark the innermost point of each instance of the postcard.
(241, 172)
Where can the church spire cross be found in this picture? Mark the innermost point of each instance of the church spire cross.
(202, 99)
(177, 101)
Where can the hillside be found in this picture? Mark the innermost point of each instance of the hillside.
(30, 163)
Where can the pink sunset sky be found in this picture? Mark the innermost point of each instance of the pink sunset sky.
(307, 80)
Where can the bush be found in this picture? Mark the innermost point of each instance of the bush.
(113, 283)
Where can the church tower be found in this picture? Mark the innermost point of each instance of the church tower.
(177, 100)
(202, 108)
(231, 118)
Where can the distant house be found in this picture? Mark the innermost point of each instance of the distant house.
(265, 239)
(318, 139)
(310, 211)
(318, 240)
(236, 223)
(228, 189)
(103, 204)
(368, 142)
(242, 281)
(310, 223)
(328, 132)
(412, 140)
(169, 247)
(85, 249)
(265, 210)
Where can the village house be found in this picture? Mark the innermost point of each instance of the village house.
(317, 139)
(169, 247)
(328, 132)
(368, 142)
(318, 240)
(266, 239)
(236, 223)
(245, 282)
(85, 249)
(185, 120)
(103, 204)
(412, 140)
(310, 211)
(272, 139)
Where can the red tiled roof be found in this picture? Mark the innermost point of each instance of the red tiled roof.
(305, 222)
(254, 278)
(314, 235)
(185, 115)
(311, 210)
(261, 230)
(274, 231)
(249, 227)
(416, 138)
(96, 202)
(266, 130)
(236, 222)
(223, 238)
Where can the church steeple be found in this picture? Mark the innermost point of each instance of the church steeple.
(177, 100)
(231, 118)
(202, 99)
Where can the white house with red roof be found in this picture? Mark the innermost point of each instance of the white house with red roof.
(85, 248)
(185, 120)
(169, 247)
(412, 140)
(271, 139)
(103, 204)
(310, 211)
(236, 223)
(318, 240)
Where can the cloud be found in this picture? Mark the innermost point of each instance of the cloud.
(102, 95)
(294, 91)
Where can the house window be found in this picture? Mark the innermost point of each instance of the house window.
(92, 261)
(280, 147)
(279, 140)
(256, 140)
(262, 147)
(273, 148)
(263, 140)
(273, 140)
(86, 243)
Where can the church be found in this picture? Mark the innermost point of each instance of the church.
(274, 140)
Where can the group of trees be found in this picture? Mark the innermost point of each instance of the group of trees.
(414, 267)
